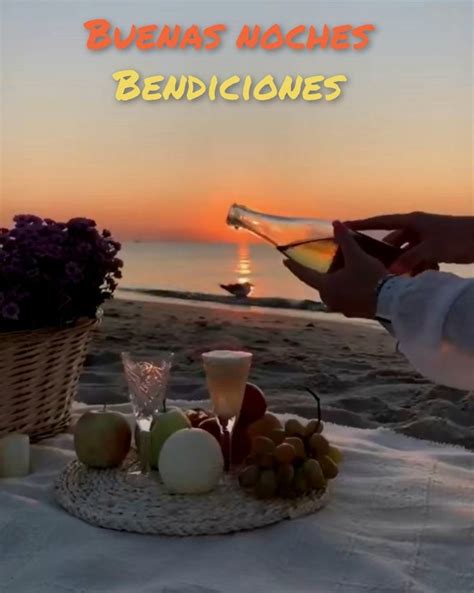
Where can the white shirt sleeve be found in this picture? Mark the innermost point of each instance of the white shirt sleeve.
(432, 317)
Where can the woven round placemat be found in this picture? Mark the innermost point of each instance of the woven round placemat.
(123, 500)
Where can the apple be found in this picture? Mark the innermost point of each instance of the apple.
(102, 439)
(212, 426)
(254, 405)
(163, 426)
(253, 408)
(191, 462)
(196, 416)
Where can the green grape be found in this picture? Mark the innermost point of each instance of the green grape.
(266, 486)
(311, 428)
(335, 454)
(285, 475)
(262, 446)
(293, 427)
(285, 453)
(314, 474)
(248, 477)
(328, 466)
(278, 435)
(300, 482)
(298, 446)
(307, 446)
(319, 445)
(266, 461)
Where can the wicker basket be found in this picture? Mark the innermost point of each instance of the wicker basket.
(39, 372)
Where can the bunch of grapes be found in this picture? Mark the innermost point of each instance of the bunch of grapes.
(290, 462)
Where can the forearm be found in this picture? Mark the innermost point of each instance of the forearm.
(432, 316)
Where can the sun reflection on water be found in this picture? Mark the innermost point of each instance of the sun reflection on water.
(244, 263)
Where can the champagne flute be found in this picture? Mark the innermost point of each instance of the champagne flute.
(227, 372)
(147, 379)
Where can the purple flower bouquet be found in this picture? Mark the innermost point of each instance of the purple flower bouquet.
(54, 273)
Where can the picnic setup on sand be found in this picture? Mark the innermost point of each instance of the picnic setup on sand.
(121, 497)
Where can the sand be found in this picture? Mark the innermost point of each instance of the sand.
(354, 367)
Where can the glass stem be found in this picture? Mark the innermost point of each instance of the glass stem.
(226, 445)
(144, 445)
(145, 452)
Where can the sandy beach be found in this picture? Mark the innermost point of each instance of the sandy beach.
(362, 380)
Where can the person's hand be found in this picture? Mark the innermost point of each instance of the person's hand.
(424, 238)
(352, 289)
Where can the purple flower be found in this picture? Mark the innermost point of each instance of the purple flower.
(12, 269)
(53, 251)
(73, 271)
(81, 223)
(53, 273)
(11, 312)
(84, 249)
(116, 245)
(18, 294)
(116, 265)
(23, 219)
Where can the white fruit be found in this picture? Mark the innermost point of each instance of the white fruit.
(191, 462)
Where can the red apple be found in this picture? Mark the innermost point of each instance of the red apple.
(254, 405)
(196, 416)
(212, 426)
(253, 408)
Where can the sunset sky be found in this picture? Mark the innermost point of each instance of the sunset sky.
(398, 139)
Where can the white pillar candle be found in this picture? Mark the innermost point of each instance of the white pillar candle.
(14, 456)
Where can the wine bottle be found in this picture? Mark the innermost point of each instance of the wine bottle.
(308, 241)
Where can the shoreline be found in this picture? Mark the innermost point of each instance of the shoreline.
(233, 304)
(267, 302)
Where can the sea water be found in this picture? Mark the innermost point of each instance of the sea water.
(201, 267)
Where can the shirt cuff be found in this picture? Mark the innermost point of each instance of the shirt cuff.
(388, 295)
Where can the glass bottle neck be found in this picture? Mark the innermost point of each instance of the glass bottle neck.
(278, 230)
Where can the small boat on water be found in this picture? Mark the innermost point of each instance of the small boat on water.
(238, 289)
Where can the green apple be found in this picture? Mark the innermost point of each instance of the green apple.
(163, 426)
(102, 439)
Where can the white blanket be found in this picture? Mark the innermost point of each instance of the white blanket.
(400, 520)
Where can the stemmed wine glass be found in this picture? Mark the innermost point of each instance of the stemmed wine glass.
(227, 372)
(147, 379)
